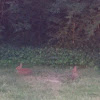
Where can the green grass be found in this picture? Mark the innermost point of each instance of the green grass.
(49, 84)
(49, 79)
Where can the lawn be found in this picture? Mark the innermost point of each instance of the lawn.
(48, 83)
(49, 80)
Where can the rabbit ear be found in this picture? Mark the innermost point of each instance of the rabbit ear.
(21, 65)
(75, 69)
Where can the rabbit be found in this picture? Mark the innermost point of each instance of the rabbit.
(23, 71)
(74, 74)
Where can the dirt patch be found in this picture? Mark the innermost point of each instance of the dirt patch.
(51, 80)
(45, 80)
(44, 83)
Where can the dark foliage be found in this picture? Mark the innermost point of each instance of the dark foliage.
(63, 23)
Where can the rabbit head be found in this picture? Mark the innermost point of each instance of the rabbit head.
(19, 67)
(74, 69)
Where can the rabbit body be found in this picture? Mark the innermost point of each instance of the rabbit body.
(23, 71)
(74, 74)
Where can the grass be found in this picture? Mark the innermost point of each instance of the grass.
(49, 79)
(49, 84)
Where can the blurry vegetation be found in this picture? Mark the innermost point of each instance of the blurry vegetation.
(64, 23)
(71, 24)
(47, 56)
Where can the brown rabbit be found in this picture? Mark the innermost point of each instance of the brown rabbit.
(23, 71)
(74, 74)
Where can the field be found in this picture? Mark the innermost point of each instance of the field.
(48, 83)
(50, 78)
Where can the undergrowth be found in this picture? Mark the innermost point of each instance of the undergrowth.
(47, 56)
